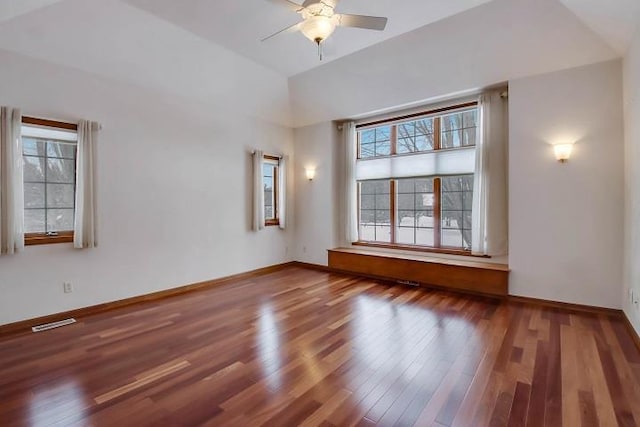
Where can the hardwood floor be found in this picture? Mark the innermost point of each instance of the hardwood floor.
(305, 347)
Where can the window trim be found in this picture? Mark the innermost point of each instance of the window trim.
(276, 211)
(408, 117)
(393, 122)
(33, 239)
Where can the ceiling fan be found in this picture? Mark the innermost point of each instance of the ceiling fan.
(320, 20)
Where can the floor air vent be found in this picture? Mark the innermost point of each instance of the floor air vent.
(53, 325)
(408, 282)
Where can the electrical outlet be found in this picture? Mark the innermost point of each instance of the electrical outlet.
(67, 287)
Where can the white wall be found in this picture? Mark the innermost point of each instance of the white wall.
(632, 181)
(566, 220)
(490, 44)
(317, 207)
(174, 192)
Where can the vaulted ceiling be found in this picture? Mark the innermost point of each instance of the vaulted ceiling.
(239, 25)
(210, 50)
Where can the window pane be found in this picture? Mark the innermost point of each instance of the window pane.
(34, 220)
(268, 172)
(368, 136)
(423, 185)
(367, 201)
(406, 202)
(415, 210)
(383, 216)
(383, 133)
(424, 219)
(382, 201)
(452, 200)
(49, 188)
(375, 215)
(383, 233)
(415, 136)
(406, 130)
(405, 186)
(452, 121)
(451, 183)
(268, 183)
(406, 235)
(34, 195)
(374, 187)
(424, 200)
(368, 216)
(470, 118)
(367, 150)
(368, 187)
(457, 201)
(467, 200)
(59, 219)
(33, 168)
(451, 139)
(367, 231)
(60, 196)
(406, 218)
(61, 171)
(32, 147)
(469, 136)
(383, 148)
(375, 142)
(451, 238)
(424, 126)
(452, 219)
(58, 149)
(424, 237)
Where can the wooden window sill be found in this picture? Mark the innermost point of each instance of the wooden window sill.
(272, 222)
(42, 239)
(444, 251)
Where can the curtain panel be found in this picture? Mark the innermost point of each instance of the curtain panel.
(258, 191)
(350, 196)
(11, 182)
(490, 218)
(282, 191)
(85, 233)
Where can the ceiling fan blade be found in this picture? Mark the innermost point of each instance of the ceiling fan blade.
(288, 4)
(332, 3)
(361, 21)
(291, 29)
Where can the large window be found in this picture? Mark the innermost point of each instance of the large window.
(415, 180)
(270, 180)
(49, 159)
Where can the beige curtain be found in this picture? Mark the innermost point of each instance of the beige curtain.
(489, 219)
(85, 222)
(258, 191)
(351, 186)
(11, 182)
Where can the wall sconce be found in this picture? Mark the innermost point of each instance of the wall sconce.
(310, 172)
(563, 151)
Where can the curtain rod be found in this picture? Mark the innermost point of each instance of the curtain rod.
(419, 114)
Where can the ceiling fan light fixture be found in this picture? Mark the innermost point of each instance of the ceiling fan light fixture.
(318, 28)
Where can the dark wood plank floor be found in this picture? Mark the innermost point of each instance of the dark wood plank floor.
(304, 347)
